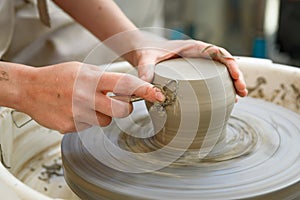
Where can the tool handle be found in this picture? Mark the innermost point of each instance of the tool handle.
(127, 98)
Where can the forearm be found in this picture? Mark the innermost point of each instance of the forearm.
(11, 76)
(103, 18)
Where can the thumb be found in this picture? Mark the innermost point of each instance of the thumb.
(146, 69)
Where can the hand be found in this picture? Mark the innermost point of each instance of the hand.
(73, 96)
(146, 58)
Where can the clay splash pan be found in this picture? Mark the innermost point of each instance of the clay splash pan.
(256, 156)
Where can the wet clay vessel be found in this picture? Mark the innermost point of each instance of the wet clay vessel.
(193, 156)
(204, 100)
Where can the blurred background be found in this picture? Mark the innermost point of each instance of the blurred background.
(257, 28)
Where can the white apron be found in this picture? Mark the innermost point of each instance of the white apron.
(25, 39)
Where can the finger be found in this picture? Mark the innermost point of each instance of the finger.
(233, 69)
(226, 58)
(103, 120)
(82, 126)
(85, 116)
(112, 107)
(179, 48)
(150, 93)
(242, 93)
(90, 117)
(125, 98)
(239, 85)
(210, 51)
(97, 118)
(126, 84)
(240, 88)
(118, 83)
(78, 126)
(238, 79)
(214, 52)
(145, 66)
(184, 48)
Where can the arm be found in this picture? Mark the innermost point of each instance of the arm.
(69, 96)
(50, 94)
(104, 19)
(10, 75)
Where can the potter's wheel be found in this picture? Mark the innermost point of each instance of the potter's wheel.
(257, 158)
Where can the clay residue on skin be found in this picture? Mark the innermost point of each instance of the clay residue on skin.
(4, 76)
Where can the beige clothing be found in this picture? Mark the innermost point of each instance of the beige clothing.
(35, 44)
(24, 39)
(6, 24)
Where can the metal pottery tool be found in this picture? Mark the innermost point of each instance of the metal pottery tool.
(157, 111)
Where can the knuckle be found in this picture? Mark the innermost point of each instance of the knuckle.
(75, 63)
(105, 121)
(147, 92)
(127, 78)
(124, 84)
(122, 110)
(66, 126)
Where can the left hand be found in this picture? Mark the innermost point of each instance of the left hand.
(147, 58)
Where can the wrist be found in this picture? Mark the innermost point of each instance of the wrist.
(14, 80)
(25, 78)
(126, 44)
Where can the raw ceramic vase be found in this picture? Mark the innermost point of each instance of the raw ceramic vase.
(204, 100)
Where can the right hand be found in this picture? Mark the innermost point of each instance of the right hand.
(72, 96)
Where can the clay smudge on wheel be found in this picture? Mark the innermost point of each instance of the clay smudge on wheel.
(269, 140)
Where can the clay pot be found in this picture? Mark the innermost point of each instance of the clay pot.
(203, 104)
(260, 135)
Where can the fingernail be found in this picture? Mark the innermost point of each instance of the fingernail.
(160, 97)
